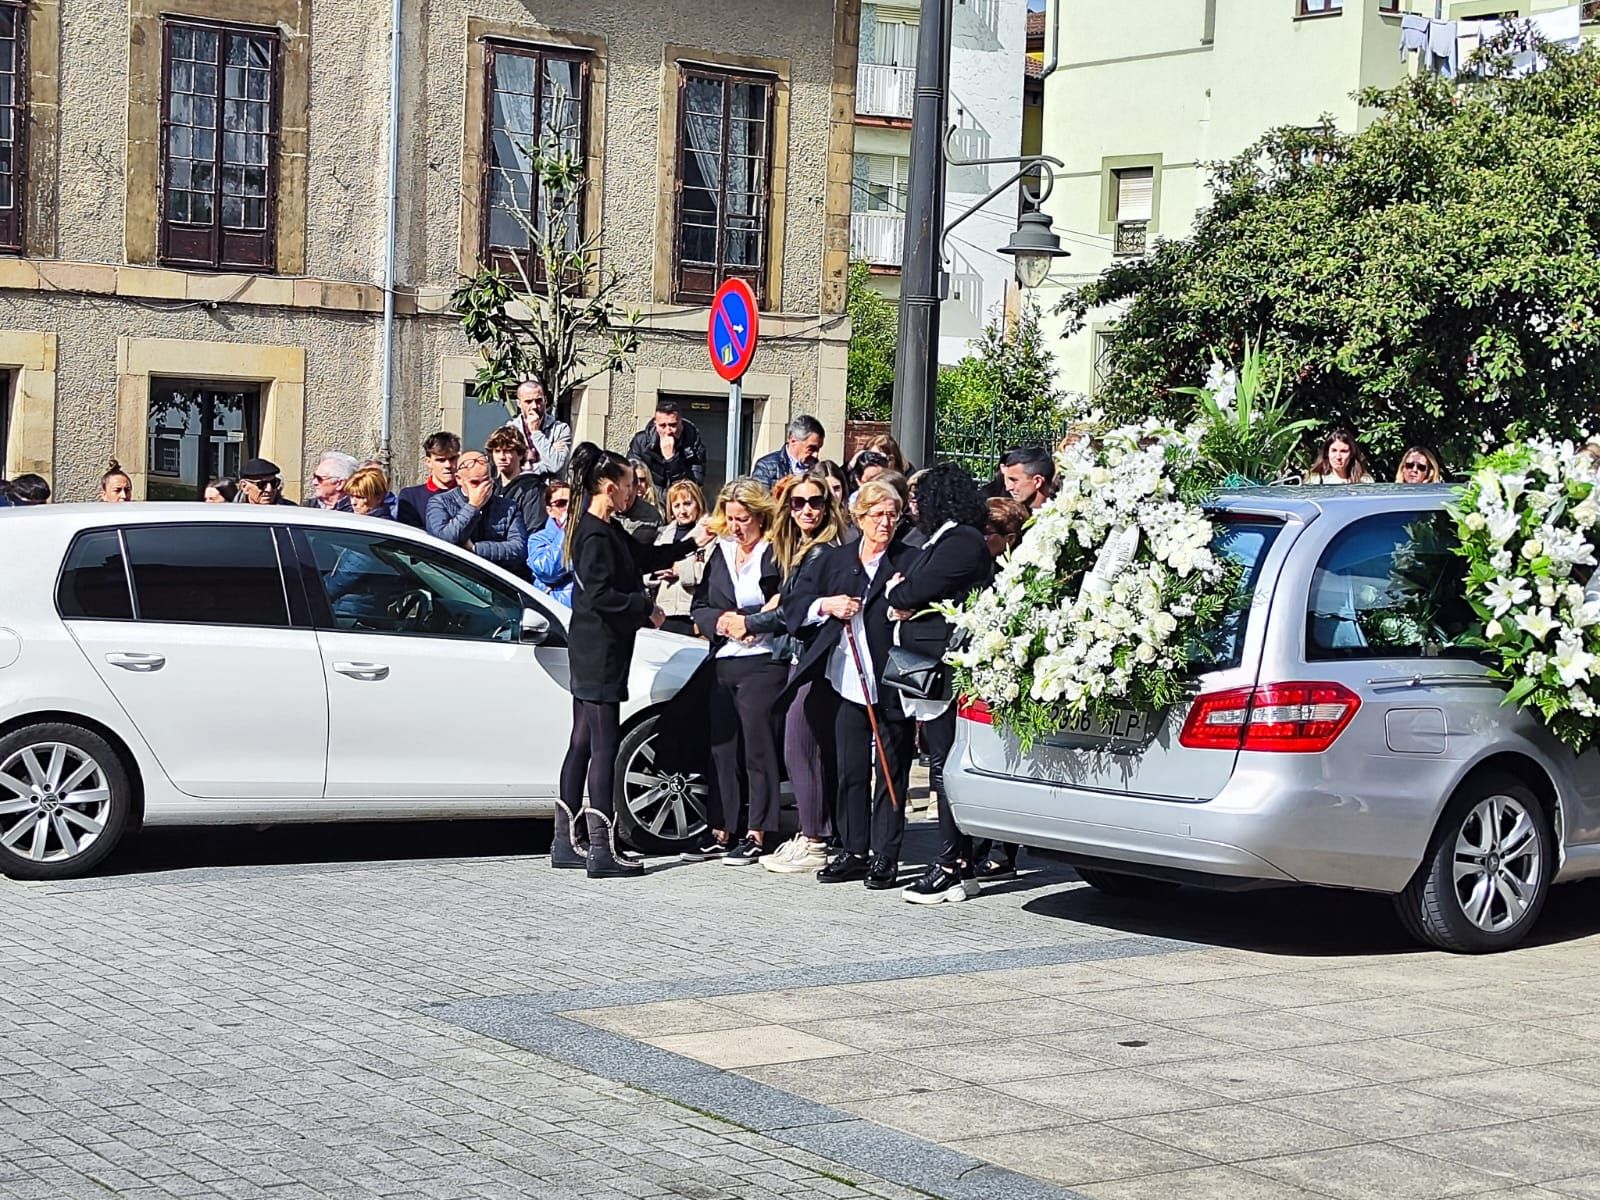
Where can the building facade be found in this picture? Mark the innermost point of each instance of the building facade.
(1149, 91)
(194, 202)
(987, 57)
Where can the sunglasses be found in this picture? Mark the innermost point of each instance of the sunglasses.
(559, 504)
(801, 503)
(264, 484)
(1416, 466)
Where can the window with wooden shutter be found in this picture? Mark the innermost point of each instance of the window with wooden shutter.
(13, 120)
(538, 97)
(1135, 206)
(723, 181)
(887, 175)
(219, 140)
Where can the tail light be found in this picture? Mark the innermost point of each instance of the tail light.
(1287, 718)
(974, 710)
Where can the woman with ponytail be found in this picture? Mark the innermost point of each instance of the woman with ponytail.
(609, 607)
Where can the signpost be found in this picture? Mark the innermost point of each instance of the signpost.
(731, 338)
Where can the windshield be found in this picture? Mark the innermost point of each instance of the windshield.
(1245, 540)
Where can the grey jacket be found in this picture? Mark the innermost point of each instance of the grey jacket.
(549, 446)
(495, 531)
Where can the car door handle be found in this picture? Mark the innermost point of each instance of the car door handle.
(371, 672)
(137, 662)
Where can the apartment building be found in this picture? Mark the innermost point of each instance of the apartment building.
(1148, 91)
(987, 57)
(194, 202)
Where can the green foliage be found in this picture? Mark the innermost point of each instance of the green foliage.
(1249, 431)
(874, 330)
(1433, 278)
(556, 318)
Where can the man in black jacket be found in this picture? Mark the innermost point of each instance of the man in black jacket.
(671, 447)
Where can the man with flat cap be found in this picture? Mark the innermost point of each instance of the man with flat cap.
(260, 482)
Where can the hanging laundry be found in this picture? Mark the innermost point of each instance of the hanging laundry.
(1441, 56)
(1469, 36)
(1560, 27)
(1413, 34)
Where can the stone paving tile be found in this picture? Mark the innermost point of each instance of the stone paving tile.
(1198, 1183)
(1081, 1155)
(1524, 1152)
(1254, 1076)
(998, 1060)
(863, 1077)
(1388, 1060)
(1374, 1169)
(1236, 1132)
(963, 1112)
(751, 1046)
(1383, 1110)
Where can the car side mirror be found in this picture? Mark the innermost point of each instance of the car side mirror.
(535, 628)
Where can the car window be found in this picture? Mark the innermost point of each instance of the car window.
(213, 574)
(1390, 586)
(94, 582)
(389, 585)
(1245, 540)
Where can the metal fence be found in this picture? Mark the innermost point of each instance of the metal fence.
(978, 441)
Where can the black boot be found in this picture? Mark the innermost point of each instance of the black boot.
(567, 852)
(604, 860)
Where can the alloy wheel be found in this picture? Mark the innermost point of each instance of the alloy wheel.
(54, 802)
(670, 805)
(1498, 865)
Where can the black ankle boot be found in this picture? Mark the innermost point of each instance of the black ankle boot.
(604, 859)
(566, 852)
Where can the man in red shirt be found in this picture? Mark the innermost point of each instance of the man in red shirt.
(439, 455)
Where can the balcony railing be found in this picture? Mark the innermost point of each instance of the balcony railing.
(1131, 238)
(877, 238)
(884, 91)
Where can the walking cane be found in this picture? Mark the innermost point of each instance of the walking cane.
(872, 712)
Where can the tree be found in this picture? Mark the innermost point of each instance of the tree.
(1433, 278)
(874, 329)
(558, 319)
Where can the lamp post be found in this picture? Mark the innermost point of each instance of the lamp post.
(923, 282)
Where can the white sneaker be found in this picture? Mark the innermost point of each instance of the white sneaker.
(796, 856)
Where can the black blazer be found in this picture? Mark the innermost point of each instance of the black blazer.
(715, 594)
(798, 589)
(947, 570)
(839, 573)
(610, 604)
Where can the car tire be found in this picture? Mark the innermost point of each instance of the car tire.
(1488, 870)
(1126, 887)
(65, 801)
(658, 812)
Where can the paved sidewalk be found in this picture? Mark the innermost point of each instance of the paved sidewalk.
(430, 1014)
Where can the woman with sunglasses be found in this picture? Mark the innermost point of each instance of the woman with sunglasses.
(811, 519)
(547, 559)
(1419, 465)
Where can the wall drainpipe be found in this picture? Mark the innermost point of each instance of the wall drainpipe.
(391, 240)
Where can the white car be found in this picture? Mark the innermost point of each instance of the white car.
(191, 664)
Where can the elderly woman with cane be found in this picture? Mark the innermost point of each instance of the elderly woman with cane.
(872, 735)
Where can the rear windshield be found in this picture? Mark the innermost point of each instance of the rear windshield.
(1246, 540)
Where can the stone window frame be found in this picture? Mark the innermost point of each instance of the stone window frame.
(146, 80)
(40, 107)
(31, 446)
(674, 58)
(771, 394)
(280, 370)
(481, 32)
(12, 222)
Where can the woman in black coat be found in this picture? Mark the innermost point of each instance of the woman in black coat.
(849, 583)
(953, 561)
(609, 607)
(741, 578)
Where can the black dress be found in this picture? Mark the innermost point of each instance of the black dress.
(610, 604)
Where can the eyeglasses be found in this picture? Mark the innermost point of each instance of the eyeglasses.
(883, 518)
(801, 503)
(559, 503)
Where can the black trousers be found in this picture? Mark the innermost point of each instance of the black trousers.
(940, 736)
(745, 740)
(596, 736)
(866, 820)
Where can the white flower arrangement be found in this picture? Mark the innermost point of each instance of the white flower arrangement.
(1529, 521)
(1109, 597)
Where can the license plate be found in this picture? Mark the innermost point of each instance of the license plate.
(1125, 725)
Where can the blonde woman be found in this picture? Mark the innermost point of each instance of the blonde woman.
(1419, 465)
(740, 579)
(686, 509)
(811, 520)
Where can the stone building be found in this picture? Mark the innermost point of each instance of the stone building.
(194, 221)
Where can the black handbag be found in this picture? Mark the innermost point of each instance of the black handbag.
(912, 674)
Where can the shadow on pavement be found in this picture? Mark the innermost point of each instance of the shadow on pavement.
(190, 847)
(1299, 921)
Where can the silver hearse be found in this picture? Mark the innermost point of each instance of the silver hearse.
(1339, 736)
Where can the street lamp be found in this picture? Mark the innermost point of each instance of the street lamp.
(1034, 246)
